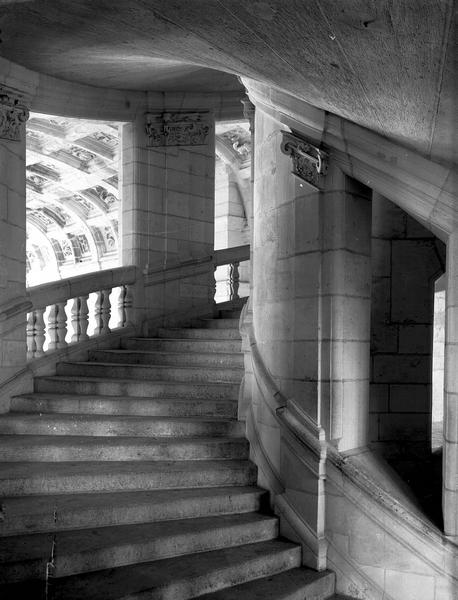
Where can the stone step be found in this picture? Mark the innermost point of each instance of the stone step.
(150, 357)
(180, 578)
(107, 425)
(220, 323)
(131, 387)
(84, 550)
(21, 479)
(151, 372)
(294, 584)
(227, 313)
(118, 405)
(202, 333)
(36, 514)
(14, 448)
(182, 345)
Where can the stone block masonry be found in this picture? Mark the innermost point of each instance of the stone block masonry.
(407, 259)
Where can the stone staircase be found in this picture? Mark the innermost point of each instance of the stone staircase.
(127, 476)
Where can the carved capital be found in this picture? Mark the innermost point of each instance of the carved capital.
(177, 129)
(248, 111)
(13, 115)
(309, 162)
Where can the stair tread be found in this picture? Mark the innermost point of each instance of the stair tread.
(15, 470)
(288, 585)
(18, 504)
(102, 397)
(94, 440)
(164, 382)
(188, 367)
(161, 352)
(58, 512)
(37, 545)
(191, 574)
(107, 418)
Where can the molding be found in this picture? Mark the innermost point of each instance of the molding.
(13, 115)
(317, 544)
(349, 573)
(309, 162)
(177, 129)
(261, 458)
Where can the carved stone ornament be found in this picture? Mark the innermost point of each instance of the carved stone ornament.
(309, 162)
(12, 116)
(177, 129)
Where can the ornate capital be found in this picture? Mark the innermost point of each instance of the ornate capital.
(177, 129)
(12, 116)
(248, 111)
(309, 162)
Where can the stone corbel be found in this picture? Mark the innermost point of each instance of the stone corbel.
(177, 129)
(13, 115)
(309, 162)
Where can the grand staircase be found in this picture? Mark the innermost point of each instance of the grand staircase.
(128, 477)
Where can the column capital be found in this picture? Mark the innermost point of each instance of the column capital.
(309, 162)
(13, 114)
(248, 111)
(177, 129)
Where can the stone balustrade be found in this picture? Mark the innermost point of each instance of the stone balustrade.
(230, 277)
(51, 326)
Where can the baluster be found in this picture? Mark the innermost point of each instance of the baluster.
(80, 319)
(39, 332)
(61, 325)
(126, 302)
(30, 335)
(53, 328)
(234, 277)
(102, 312)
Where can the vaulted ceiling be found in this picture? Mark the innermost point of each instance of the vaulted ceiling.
(385, 64)
(72, 196)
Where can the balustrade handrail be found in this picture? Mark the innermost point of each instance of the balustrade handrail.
(295, 423)
(80, 285)
(228, 256)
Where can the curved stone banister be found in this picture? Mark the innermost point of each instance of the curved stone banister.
(383, 501)
(231, 255)
(58, 291)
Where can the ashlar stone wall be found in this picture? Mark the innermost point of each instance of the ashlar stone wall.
(406, 260)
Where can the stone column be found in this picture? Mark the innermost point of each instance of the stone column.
(450, 460)
(13, 302)
(168, 207)
(311, 315)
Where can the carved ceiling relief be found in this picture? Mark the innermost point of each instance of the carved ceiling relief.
(72, 182)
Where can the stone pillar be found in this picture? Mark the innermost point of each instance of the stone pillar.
(311, 315)
(450, 459)
(13, 302)
(168, 207)
(345, 296)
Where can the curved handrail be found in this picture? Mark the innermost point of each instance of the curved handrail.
(294, 422)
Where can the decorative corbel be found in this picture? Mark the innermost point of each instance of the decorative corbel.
(13, 115)
(309, 162)
(177, 129)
